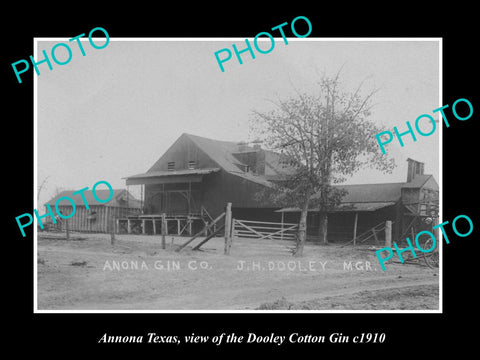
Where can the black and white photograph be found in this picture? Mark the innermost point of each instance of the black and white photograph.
(215, 179)
(262, 187)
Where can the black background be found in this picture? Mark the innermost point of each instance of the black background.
(58, 335)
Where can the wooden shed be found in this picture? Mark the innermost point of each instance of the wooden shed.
(97, 218)
(365, 208)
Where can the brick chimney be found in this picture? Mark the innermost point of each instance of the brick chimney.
(414, 168)
(253, 157)
(260, 163)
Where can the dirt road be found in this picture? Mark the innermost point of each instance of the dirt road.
(135, 274)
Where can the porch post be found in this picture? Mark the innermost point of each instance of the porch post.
(164, 230)
(189, 195)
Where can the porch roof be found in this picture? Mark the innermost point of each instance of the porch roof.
(357, 207)
(161, 177)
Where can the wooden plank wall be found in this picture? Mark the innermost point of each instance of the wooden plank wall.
(80, 221)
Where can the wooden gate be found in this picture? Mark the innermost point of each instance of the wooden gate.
(264, 230)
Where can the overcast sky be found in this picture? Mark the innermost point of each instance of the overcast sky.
(113, 112)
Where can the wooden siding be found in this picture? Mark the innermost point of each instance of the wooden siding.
(213, 193)
(182, 152)
(81, 222)
(224, 187)
(172, 198)
(340, 224)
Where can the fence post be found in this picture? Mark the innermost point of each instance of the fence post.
(67, 230)
(112, 231)
(355, 222)
(164, 230)
(388, 233)
(228, 228)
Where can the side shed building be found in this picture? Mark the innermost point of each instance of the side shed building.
(410, 205)
(98, 216)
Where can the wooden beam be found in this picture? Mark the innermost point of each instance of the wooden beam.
(164, 180)
(185, 226)
(164, 230)
(189, 196)
(112, 230)
(375, 235)
(228, 229)
(355, 222)
(209, 237)
(67, 230)
(206, 228)
(388, 233)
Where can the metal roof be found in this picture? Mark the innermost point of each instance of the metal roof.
(383, 192)
(364, 197)
(222, 153)
(417, 182)
(174, 173)
(120, 198)
(365, 206)
(162, 177)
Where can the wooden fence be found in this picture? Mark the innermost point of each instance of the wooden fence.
(264, 230)
(383, 229)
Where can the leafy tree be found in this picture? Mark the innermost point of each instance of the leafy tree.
(324, 137)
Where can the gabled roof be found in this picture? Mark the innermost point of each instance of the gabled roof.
(385, 192)
(222, 152)
(370, 197)
(219, 151)
(365, 197)
(119, 198)
(418, 181)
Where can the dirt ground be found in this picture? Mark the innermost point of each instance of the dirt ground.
(88, 273)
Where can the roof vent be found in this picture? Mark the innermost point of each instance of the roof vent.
(242, 146)
(257, 144)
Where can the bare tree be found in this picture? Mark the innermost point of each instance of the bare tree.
(41, 186)
(58, 190)
(325, 137)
